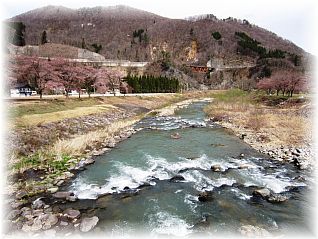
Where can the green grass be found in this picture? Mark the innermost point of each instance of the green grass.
(232, 95)
(40, 161)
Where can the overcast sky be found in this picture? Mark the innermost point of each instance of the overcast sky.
(292, 19)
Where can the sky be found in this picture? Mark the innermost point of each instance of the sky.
(294, 20)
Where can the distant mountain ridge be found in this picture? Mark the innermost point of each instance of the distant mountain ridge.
(127, 33)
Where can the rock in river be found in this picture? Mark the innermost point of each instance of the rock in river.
(263, 192)
(276, 198)
(175, 136)
(62, 195)
(176, 178)
(253, 231)
(88, 223)
(216, 168)
(205, 196)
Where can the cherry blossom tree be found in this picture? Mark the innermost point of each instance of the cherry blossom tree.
(90, 77)
(70, 75)
(266, 84)
(108, 79)
(284, 81)
(36, 72)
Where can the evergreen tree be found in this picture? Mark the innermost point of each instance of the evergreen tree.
(83, 43)
(97, 47)
(18, 37)
(191, 32)
(216, 35)
(43, 38)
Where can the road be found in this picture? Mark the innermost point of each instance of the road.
(37, 97)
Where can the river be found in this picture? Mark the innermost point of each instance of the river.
(130, 188)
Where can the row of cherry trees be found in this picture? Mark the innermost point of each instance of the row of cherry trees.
(284, 82)
(60, 74)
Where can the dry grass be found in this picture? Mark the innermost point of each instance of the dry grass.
(79, 143)
(28, 113)
(36, 119)
(275, 126)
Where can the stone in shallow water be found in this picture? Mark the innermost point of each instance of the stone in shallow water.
(176, 178)
(205, 196)
(62, 195)
(88, 223)
(253, 231)
(276, 198)
(245, 166)
(216, 168)
(263, 192)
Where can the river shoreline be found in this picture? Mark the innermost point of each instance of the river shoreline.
(37, 213)
(301, 157)
(29, 214)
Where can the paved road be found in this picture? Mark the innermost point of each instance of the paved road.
(37, 97)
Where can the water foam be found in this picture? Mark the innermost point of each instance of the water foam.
(164, 223)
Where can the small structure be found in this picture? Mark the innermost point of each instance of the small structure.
(22, 90)
(202, 69)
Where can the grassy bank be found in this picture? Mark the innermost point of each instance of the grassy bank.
(30, 113)
(50, 162)
(271, 121)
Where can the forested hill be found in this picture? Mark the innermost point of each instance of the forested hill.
(127, 33)
(170, 45)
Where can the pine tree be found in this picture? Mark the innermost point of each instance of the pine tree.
(18, 37)
(43, 38)
(83, 43)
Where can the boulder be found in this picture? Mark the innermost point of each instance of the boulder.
(37, 204)
(21, 194)
(13, 214)
(37, 225)
(89, 161)
(176, 178)
(243, 136)
(64, 223)
(205, 196)
(49, 221)
(244, 166)
(62, 195)
(175, 136)
(111, 144)
(276, 198)
(71, 213)
(88, 223)
(71, 198)
(253, 231)
(53, 190)
(263, 192)
(216, 168)
(241, 156)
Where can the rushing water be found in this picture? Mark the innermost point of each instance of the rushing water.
(134, 192)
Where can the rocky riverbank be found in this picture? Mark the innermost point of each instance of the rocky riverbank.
(36, 213)
(264, 141)
(30, 209)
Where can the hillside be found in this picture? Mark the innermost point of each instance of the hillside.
(126, 33)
